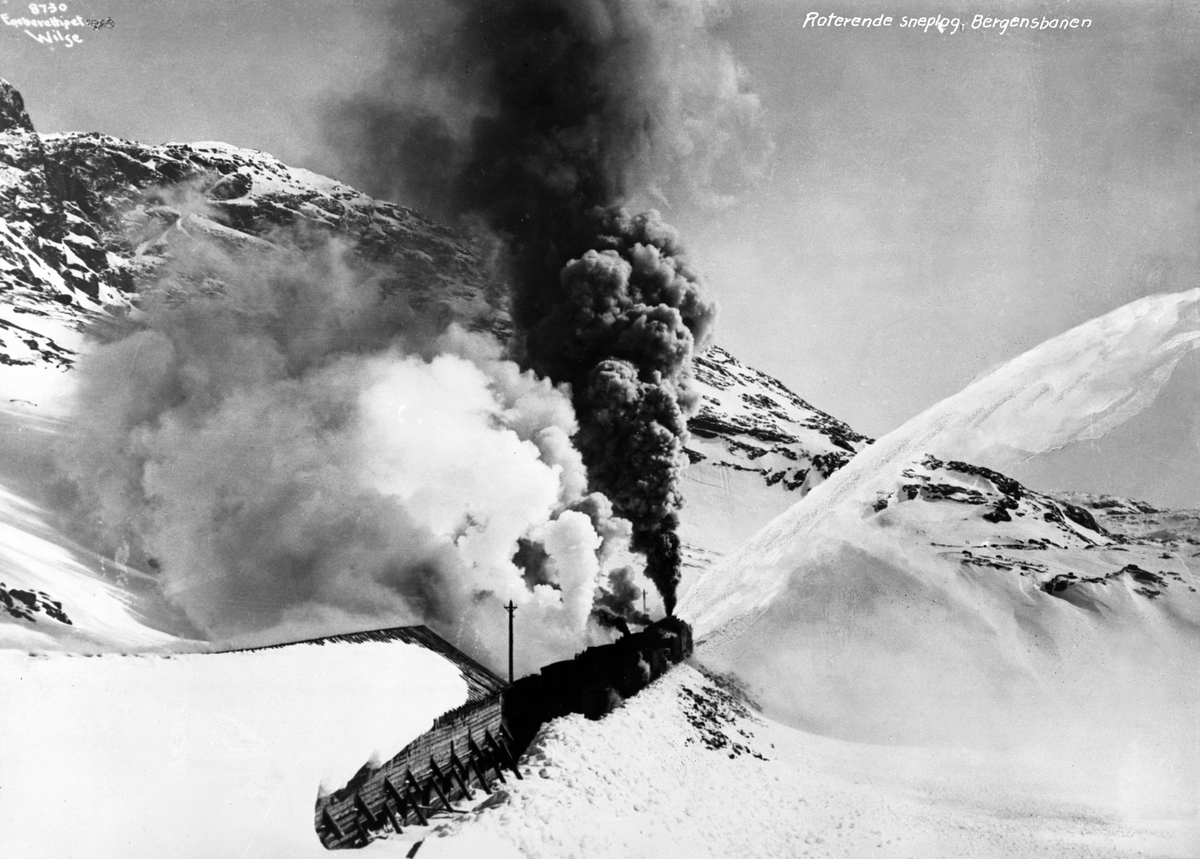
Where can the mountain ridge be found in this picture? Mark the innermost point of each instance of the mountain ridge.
(85, 218)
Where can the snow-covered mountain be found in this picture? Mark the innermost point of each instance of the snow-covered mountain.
(757, 448)
(939, 581)
(915, 597)
(85, 217)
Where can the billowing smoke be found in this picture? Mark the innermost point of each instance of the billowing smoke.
(622, 333)
(546, 117)
(297, 454)
(617, 606)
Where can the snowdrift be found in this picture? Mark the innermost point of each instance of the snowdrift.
(56, 594)
(688, 768)
(851, 614)
(202, 755)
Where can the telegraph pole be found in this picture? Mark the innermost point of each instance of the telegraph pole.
(644, 601)
(510, 608)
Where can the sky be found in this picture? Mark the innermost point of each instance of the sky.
(936, 203)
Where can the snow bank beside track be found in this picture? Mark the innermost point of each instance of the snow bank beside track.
(201, 755)
(687, 769)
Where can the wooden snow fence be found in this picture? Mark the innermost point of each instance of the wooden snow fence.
(477, 744)
(466, 749)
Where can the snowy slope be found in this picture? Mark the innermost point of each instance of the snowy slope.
(1075, 386)
(755, 448)
(1176, 530)
(57, 594)
(202, 755)
(85, 217)
(688, 769)
(965, 607)
(910, 594)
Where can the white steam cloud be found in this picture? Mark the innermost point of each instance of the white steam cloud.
(279, 435)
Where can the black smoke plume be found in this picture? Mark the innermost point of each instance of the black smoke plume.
(617, 606)
(542, 118)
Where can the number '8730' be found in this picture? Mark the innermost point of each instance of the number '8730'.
(47, 8)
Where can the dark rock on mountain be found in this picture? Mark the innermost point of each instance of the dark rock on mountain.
(27, 604)
(85, 218)
(12, 109)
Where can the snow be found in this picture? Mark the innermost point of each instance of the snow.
(33, 556)
(871, 625)
(754, 457)
(171, 754)
(201, 755)
(272, 176)
(126, 753)
(662, 777)
(239, 152)
(35, 553)
(843, 621)
(726, 506)
(12, 243)
(1075, 386)
(220, 231)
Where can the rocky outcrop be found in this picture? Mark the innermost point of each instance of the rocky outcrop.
(12, 109)
(750, 422)
(1142, 582)
(87, 218)
(29, 604)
